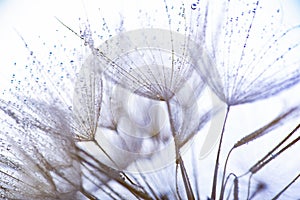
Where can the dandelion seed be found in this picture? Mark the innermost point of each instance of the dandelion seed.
(153, 63)
(242, 58)
(36, 158)
(245, 55)
(123, 125)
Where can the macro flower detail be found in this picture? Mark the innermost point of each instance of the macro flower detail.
(87, 102)
(247, 59)
(243, 59)
(151, 63)
(36, 159)
(131, 104)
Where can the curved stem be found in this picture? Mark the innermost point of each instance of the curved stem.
(214, 186)
(87, 194)
(223, 176)
(249, 184)
(230, 189)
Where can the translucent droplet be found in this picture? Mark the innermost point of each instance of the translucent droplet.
(194, 6)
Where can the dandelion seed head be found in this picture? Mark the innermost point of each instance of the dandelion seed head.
(101, 119)
(37, 162)
(246, 56)
(154, 64)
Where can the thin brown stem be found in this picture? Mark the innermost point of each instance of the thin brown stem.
(285, 188)
(262, 161)
(223, 176)
(179, 161)
(214, 185)
(87, 194)
(106, 170)
(108, 156)
(249, 184)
